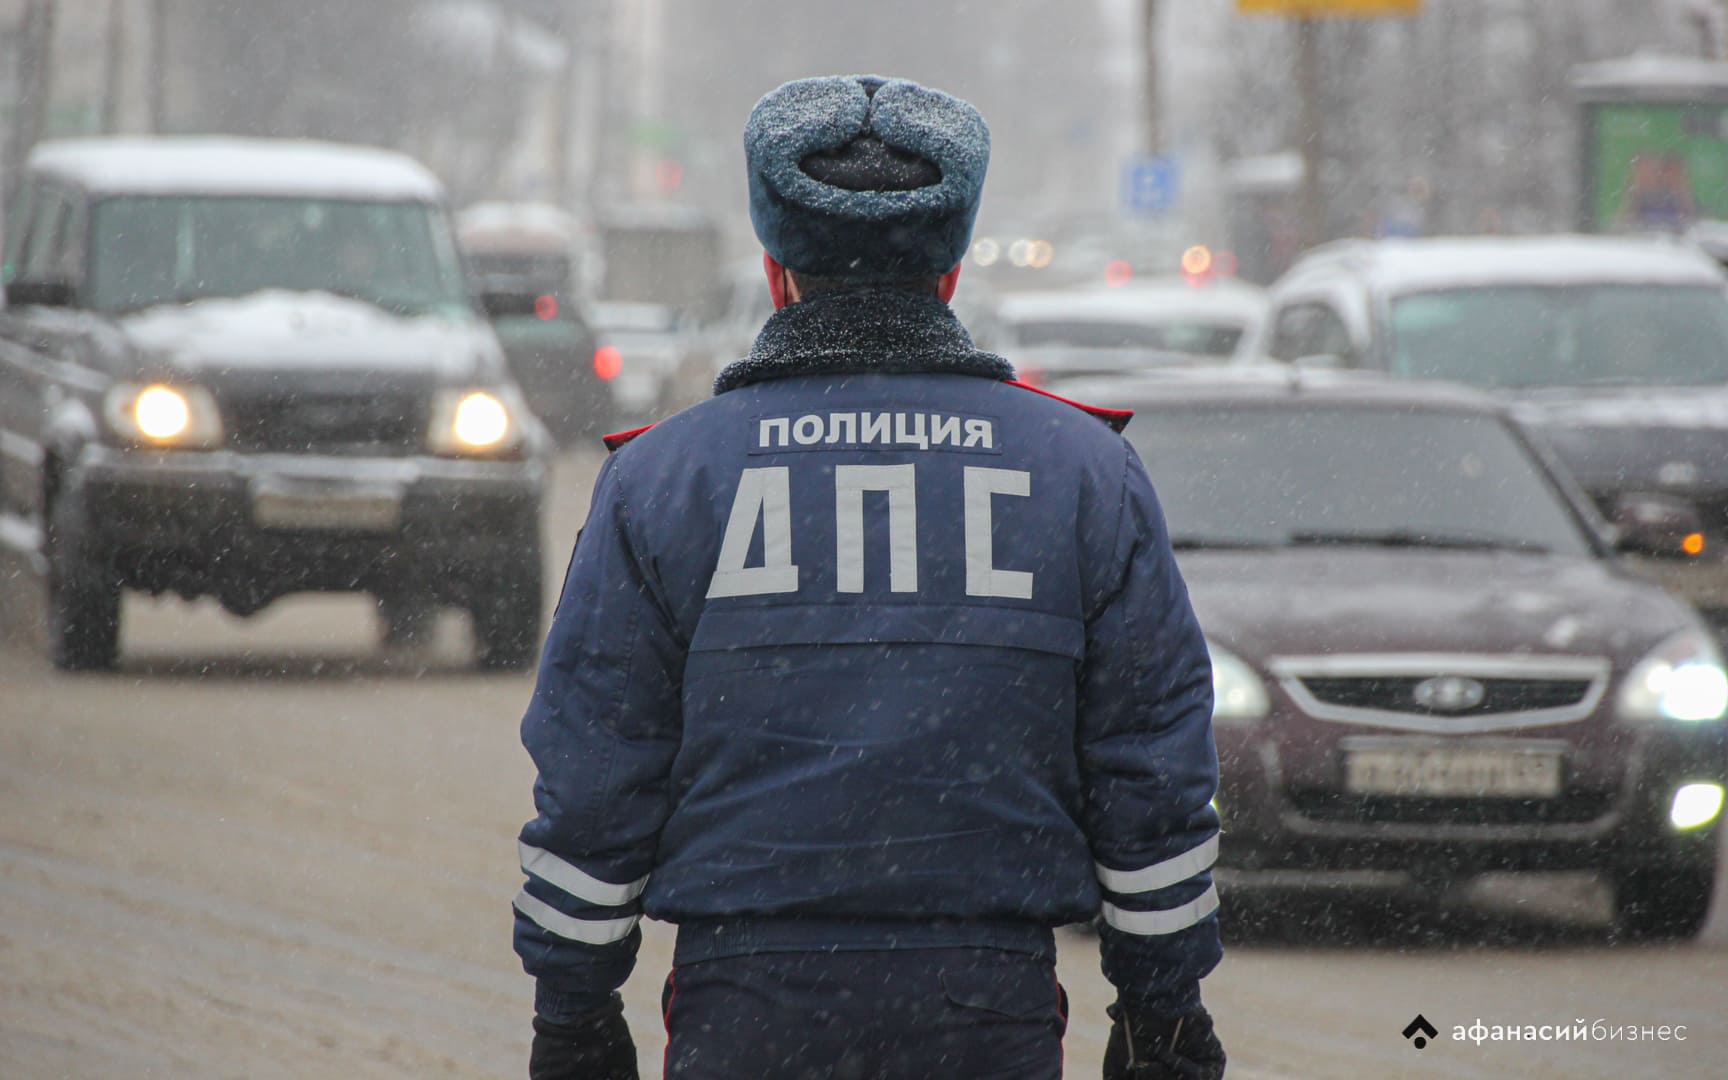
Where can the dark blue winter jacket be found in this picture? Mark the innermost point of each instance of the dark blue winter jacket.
(871, 650)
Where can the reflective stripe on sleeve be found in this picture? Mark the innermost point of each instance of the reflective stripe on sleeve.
(587, 931)
(1161, 875)
(549, 867)
(1168, 921)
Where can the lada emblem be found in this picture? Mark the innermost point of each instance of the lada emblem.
(1449, 693)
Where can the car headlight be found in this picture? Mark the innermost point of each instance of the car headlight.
(475, 422)
(1238, 694)
(164, 414)
(1681, 679)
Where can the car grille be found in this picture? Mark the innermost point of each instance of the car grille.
(1388, 693)
(1572, 808)
(350, 423)
(1444, 693)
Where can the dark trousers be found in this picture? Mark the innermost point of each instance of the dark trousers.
(908, 1014)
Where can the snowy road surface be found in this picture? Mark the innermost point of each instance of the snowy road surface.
(264, 850)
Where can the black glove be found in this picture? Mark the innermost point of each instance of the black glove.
(594, 1046)
(1152, 1046)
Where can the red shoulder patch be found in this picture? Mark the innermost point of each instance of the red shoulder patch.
(1117, 419)
(619, 438)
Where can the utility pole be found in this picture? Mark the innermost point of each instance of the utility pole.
(588, 37)
(1311, 207)
(1151, 112)
(1306, 14)
(35, 85)
(116, 58)
(158, 66)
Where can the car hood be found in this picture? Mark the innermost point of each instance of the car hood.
(1619, 439)
(1314, 601)
(280, 330)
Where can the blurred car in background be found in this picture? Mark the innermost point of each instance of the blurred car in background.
(246, 368)
(1426, 658)
(641, 349)
(1074, 249)
(657, 253)
(524, 262)
(1616, 350)
(722, 328)
(1065, 333)
(659, 269)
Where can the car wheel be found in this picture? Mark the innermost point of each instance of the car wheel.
(83, 594)
(1663, 904)
(506, 612)
(406, 621)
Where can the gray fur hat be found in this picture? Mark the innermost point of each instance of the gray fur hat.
(864, 178)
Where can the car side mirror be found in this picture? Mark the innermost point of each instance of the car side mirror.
(501, 304)
(1659, 526)
(42, 292)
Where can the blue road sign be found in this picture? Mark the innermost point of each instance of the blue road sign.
(1150, 184)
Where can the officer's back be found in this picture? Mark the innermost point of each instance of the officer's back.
(870, 672)
(884, 583)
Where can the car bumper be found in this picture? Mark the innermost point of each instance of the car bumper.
(250, 527)
(1268, 826)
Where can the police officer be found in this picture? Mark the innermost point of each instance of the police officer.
(868, 672)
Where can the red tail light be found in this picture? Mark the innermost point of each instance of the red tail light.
(545, 307)
(608, 361)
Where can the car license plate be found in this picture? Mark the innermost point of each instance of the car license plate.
(325, 505)
(1453, 772)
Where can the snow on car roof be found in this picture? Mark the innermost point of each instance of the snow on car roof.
(1274, 382)
(1652, 76)
(236, 166)
(1402, 266)
(1152, 302)
(508, 226)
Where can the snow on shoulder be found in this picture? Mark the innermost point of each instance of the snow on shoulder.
(236, 166)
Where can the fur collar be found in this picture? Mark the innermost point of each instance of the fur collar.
(858, 332)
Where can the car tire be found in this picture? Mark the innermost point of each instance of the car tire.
(83, 593)
(506, 613)
(1662, 904)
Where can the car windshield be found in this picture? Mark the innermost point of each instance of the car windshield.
(1277, 476)
(176, 249)
(1198, 338)
(543, 271)
(1577, 335)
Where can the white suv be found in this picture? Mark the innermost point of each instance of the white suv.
(1616, 349)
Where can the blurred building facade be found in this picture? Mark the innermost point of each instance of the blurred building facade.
(1455, 120)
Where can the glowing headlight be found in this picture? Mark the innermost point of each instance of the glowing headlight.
(481, 420)
(1695, 805)
(162, 415)
(474, 421)
(1237, 692)
(1681, 679)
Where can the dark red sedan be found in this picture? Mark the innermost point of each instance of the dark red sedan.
(1427, 655)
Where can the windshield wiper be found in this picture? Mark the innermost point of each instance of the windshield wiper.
(1411, 538)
